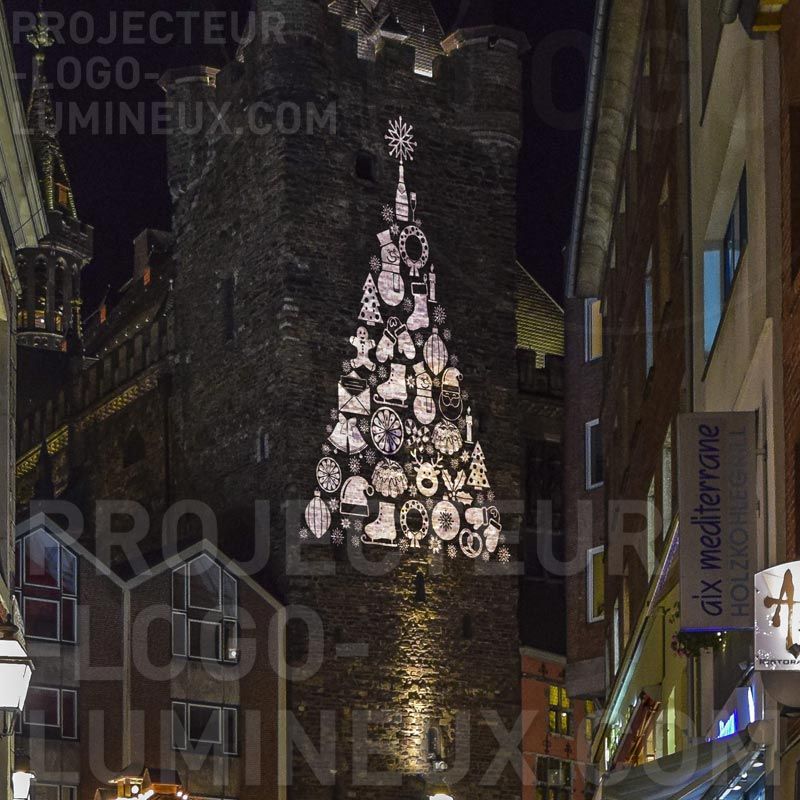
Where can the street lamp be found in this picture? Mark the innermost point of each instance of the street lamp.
(16, 669)
(22, 778)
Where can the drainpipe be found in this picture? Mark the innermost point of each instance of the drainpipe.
(688, 256)
(587, 139)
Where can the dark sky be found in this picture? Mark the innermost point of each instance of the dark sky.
(120, 179)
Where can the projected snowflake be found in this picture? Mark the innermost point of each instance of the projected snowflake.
(401, 140)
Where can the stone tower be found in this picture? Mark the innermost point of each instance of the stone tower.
(276, 208)
(50, 274)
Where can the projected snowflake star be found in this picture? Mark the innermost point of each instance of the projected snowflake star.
(401, 140)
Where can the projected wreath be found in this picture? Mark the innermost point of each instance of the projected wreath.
(401, 466)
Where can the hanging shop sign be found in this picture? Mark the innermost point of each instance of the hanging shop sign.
(718, 534)
(777, 619)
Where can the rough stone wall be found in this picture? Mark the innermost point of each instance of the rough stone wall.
(285, 218)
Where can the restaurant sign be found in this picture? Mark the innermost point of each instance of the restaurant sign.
(777, 622)
(718, 534)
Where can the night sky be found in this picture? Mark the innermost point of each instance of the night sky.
(120, 180)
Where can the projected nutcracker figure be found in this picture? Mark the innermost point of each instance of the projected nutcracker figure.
(398, 468)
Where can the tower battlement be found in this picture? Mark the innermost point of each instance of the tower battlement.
(70, 234)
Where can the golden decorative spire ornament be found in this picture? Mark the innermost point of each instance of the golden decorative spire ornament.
(43, 128)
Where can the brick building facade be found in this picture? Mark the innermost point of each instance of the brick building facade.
(628, 265)
(556, 746)
(790, 327)
(584, 513)
(790, 220)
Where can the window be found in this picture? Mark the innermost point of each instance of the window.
(54, 791)
(205, 728)
(593, 328)
(649, 333)
(666, 481)
(589, 711)
(52, 710)
(48, 591)
(735, 240)
(712, 294)
(62, 195)
(229, 306)
(365, 167)
(553, 779)
(42, 618)
(205, 610)
(133, 449)
(651, 529)
(595, 584)
(616, 640)
(594, 455)
(262, 447)
(721, 262)
(559, 717)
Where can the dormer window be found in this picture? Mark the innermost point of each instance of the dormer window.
(205, 600)
(47, 575)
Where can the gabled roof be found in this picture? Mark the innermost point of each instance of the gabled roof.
(540, 319)
(415, 17)
(41, 521)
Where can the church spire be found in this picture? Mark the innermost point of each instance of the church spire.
(50, 163)
(50, 273)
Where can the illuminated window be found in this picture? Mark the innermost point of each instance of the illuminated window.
(62, 195)
(553, 779)
(593, 329)
(589, 710)
(595, 584)
(594, 455)
(146, 276)
(53, 711)
(559, 719)
(205, 612)
(205, 728)
(48, 588)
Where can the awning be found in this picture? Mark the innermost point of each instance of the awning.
(687, 775)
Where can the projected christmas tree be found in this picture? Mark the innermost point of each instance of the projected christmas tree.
(401, 466)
